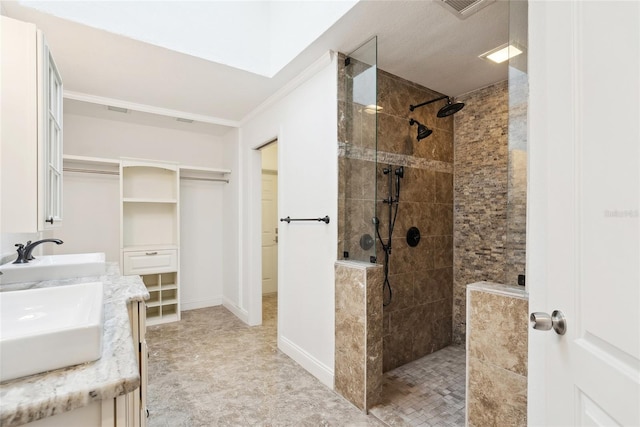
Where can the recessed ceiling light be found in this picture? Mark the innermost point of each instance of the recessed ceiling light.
(117, 109)
(502, 53)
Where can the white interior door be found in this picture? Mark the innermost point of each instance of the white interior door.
(269, 233)
(583, 235)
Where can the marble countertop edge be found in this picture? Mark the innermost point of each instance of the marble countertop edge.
(499, 289)
(38, 396)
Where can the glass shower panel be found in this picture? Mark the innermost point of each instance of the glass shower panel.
(517, 178)
(357, 110)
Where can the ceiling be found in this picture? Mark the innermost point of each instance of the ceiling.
(417, 40)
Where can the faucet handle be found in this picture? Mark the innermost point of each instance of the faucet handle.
(20, 259)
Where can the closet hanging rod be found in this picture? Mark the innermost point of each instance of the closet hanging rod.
(205, 179)
(100, 172)
(105, 172)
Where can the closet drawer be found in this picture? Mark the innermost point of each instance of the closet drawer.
(150, 261)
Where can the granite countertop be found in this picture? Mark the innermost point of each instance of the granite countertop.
(27, 399)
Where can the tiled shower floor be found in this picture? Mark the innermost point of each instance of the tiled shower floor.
(427, 392)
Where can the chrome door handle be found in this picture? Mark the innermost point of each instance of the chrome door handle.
(544, 322)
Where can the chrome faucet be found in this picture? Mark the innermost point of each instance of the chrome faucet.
(24, 251)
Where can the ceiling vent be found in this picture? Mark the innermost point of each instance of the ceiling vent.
(464, 8)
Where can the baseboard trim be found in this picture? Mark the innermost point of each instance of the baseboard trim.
(193, 305)
(237, 311)
(307, 361)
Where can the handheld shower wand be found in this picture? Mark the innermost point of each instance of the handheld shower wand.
(393, 214)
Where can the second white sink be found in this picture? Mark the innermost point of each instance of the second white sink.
(50, 328)
(51, 267)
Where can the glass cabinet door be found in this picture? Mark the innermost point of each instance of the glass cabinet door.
(52, 142)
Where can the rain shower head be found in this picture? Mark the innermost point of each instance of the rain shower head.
(423, 131)
(447, 110)
(450, 108)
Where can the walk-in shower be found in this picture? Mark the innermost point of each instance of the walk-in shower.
(395, 204)
(395, 228)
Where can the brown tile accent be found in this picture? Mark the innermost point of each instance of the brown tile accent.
(394, 134)
(497, 355)
(402, 292)
(437, 146)
(480, 194)
(443, 251)
(358, 333)
(499, 328)
(496, 397)
(444, 187)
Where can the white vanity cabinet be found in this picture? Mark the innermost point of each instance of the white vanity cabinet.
(150, 239)
(115, 412)
(138, 399)
(31, 131)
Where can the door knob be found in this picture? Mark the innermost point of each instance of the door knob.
(544, 322)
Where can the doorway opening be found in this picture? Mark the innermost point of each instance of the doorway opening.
(269, 198)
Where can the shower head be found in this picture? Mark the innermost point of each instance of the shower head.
(423, 131)
(447, 110)
(450, 108)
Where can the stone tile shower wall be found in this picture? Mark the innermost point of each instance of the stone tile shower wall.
(496, 355)
(419, 319)
(480, 194)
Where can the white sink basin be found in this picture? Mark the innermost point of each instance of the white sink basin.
(49, 328)
(49, 267)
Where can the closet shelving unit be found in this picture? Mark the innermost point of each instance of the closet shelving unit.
(150, 233)
(149, 222)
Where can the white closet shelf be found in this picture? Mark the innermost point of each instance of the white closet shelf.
(94, 165)
(87, 160)
(156, 320)
(188, 169)
(107, 166)
(147, 200)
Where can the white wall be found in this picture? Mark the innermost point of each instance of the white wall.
(232, 258)
(201, 246)
(305, 123)
(92, 202)
(91, 216)
(97, 137)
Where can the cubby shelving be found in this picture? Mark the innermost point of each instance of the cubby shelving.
(150, 233)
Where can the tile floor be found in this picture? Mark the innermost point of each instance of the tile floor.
(210, 369)
(426, 392)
